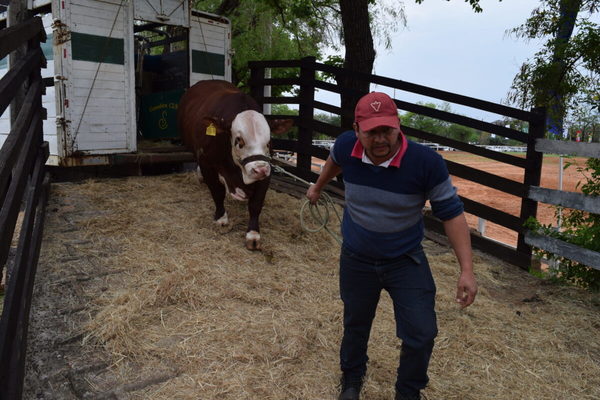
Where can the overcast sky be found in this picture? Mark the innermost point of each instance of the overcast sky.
(448, 46)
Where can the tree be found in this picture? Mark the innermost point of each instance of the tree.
(298, 28)
(273, 29)
(586, 120)
(565, 72)
(425, 123)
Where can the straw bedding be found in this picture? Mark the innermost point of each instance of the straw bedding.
(181, 310)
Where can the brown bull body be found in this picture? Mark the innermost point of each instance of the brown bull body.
(230, 139)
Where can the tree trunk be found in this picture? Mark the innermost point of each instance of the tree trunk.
(568, 10)
(359, 57)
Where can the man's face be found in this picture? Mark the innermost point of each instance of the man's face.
(380, 143)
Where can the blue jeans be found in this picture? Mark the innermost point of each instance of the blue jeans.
(410, 284)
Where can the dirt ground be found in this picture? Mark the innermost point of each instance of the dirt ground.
(139, 296)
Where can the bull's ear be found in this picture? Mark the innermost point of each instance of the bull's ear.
(218, 123)
(280, 126)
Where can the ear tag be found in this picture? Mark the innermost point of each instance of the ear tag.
(211, 130)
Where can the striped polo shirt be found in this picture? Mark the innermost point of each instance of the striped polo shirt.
(383, 217)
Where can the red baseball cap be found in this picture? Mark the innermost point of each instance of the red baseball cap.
(376, 109)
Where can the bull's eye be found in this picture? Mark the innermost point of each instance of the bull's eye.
(239, 142)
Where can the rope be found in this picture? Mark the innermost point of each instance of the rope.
(320, 212)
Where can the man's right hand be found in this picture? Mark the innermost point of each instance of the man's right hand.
(313, 194)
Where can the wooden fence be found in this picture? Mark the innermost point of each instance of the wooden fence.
(572, 200)
(306, 81)
(23, 190)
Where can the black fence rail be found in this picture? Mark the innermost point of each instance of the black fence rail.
(309, 77)
(23, 193)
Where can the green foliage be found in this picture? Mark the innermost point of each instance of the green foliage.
(579, 228)
(273, 30)
(474, 3)
(565, 73)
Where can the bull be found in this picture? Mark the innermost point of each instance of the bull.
(230, 139)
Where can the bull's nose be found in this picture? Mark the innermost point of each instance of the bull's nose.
(261, 171)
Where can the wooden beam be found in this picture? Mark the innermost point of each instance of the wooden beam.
(559, 247)
(578, 201)
(497, 249)
(580, 149)
(14, 36)
(480, 151)
(485, 178)
(13, 81)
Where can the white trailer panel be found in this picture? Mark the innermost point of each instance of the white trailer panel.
(171, 12)
(91, 52)
(210, 41)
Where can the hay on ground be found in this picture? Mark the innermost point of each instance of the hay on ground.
(183, 298)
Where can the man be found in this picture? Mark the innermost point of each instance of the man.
(387, 181)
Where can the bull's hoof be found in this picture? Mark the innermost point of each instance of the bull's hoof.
(253, 240)
(224, 220)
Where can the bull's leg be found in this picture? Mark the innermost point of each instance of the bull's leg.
(217, 191)
(255, 205)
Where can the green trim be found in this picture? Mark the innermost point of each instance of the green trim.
(95, 48)
(208, 63)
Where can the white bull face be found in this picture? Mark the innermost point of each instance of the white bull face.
(250, 136)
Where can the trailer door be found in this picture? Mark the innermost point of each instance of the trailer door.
(210, 45)
(94, 90)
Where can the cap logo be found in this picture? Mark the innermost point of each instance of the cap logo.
(375, 105)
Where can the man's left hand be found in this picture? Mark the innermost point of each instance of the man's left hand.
(466, 289)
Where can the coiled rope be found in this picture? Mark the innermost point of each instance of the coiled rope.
(320, 212)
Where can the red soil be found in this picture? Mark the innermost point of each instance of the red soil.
(506, 202)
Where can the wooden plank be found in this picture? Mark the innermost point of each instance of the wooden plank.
(328, 129)
(104, 72)
(431, 92)
(559, 247)
(533, 172)
(14, 78)
(574, 200)
(328, 107)
(282, 100)
(485, 178)
(330, 87)
(275, 64)
(14, 195)
(281, 81)
(280, 116)
(480, 151)
(491, 214)
(462, 120)
(497, 249)
(581, 149)
(14, 36)
(14, 327)
(12, 144)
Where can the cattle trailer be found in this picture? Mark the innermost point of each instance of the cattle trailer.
(118, 69)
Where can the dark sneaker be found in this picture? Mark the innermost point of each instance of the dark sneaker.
(350, 389)
(408, 396)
